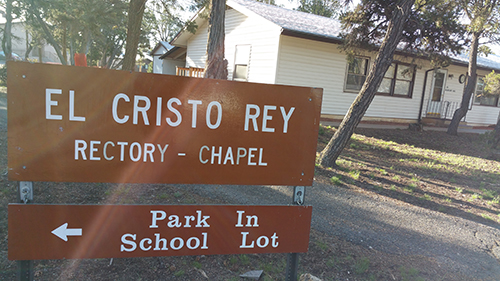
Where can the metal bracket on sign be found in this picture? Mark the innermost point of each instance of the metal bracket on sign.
(26, 191)
(298, 195)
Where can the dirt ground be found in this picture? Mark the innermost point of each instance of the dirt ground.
(453, 175)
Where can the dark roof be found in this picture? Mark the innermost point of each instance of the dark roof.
(294, 23)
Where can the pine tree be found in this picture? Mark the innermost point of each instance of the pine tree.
(484, 24)
(216, 66)
(423, 27)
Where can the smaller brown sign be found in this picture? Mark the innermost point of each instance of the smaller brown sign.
(120, 231)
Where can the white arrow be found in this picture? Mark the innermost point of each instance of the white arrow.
(63, 232)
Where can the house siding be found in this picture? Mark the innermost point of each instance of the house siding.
(261, 35)
(482, 114)
(478, 114)
(316, 64)
(286, 60)
(196, 54)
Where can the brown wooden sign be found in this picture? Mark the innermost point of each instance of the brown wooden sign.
(82, 124)
(107, 231)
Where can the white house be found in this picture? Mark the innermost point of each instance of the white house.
(269, 44)
(45, 53)
(161, 48)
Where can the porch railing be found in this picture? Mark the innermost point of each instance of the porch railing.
(190, 71)
(441, 109)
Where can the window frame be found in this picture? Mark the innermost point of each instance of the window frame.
(477, 100)
(394, 79)
(237, 63)
(347, 73)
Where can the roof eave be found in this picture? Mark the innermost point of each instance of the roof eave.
(304, 35)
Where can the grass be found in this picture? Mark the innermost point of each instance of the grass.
(354, 174)
(335, 180)
(361, 265)
(244, 259)
(410, 274)
(322, 245)
(419, 169)
(331, 262)
(197, 264)
(179, 273)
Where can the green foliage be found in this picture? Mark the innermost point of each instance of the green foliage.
(492, 83)
(336, 180)
(432, 27)
(325, 8)
(3, 75)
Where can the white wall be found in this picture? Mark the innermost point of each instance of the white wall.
(157, 63)
(479, 114)
(19, 45)
(262, 35)
(317, 64)
(169, 66)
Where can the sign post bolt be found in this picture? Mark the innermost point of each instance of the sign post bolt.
(292, 262)
(25, 270)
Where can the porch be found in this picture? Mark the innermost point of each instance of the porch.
(190, 72)
(440, 112)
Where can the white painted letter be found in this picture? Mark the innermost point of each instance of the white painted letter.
(149, 148)
(156, 218)
(174, 111)
(266, 117)
(195, 109)
(244, 241)
(240, 216)
(115, 107)
(158, 111)
(201, 152)
(143, 109)
(80, 149)
(122, 145)
(105, 149)
(49, 103)
(139, 151)
(131, 243)
(219, 114)
(72, 116)
(286, 117)
(242, 152)
(162, 151)
(249, 116)
(94, 149)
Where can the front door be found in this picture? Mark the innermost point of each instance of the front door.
(437, 91)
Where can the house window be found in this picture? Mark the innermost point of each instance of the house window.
(241, 62)
(356, 74)
(398, 80)
(482, 98)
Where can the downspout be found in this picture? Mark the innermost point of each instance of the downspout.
(423, 95)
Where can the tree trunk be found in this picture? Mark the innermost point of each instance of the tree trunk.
(470, 86)
(496, 134)
(135, 14)
(358, 108)
(49, 37)
(216, 64)
(64, 46)
(7, 33)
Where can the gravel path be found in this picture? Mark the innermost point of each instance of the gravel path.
(376, 222)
